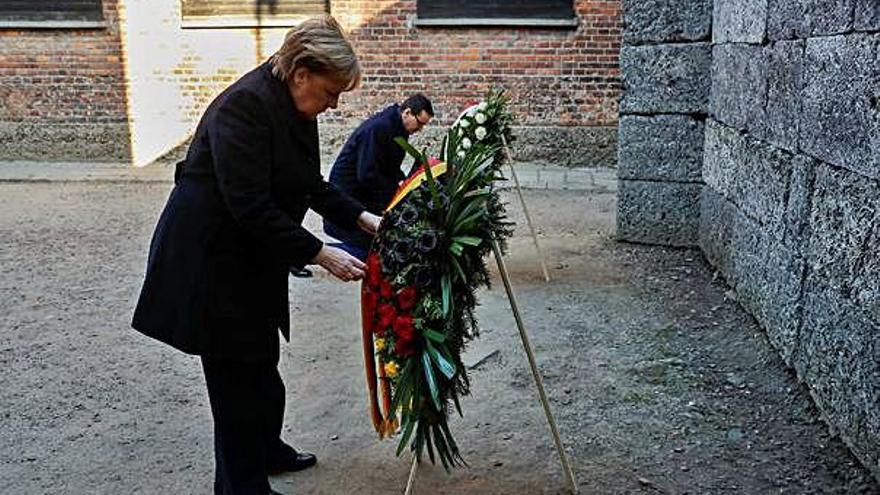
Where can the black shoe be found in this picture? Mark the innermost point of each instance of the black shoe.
(301, 272)
(286, 459)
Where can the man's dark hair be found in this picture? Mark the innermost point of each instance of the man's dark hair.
(418, 103)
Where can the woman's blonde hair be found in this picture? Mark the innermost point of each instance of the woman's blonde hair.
(319, 45)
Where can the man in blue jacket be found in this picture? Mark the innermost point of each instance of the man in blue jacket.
(368, 167)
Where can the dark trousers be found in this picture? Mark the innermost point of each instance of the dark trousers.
(247, 403)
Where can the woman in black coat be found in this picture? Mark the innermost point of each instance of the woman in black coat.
(216, 278)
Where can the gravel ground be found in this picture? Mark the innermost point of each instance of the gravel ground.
(660, 382)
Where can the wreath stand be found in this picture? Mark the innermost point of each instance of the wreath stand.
(539, 382)
(522, 201)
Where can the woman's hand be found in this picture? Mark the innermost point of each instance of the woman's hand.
(340, 264)
(369, 222)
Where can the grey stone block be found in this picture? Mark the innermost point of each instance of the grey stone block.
(662, 147)
(739, 81)
(716, 229)
(789, 19)
(767, 276)
(867, 15)
(660, 21)
(739, 21)
(45, 141)
(751, 174)
(779, 122)
(665, 78)
(839, 358)
(844, 223)
(664, 213)
(840, 121)
(722, 151)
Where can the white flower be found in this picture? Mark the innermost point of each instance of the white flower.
(466, 143)
(480, 118)
(460, 154)
(482, 105)
(480, 132)
(464, 123)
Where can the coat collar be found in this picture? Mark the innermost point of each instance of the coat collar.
(302, 129)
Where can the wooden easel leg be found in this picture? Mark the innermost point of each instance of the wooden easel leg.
(539, 382)
(525, 210)
(412, 476)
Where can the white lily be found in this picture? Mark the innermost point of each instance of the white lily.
(466, 143)
(482, 105)
(480, 118)
(480, 132)
(464, 123)
(460, 154)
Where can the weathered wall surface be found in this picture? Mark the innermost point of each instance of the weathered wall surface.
(665, 64)
(790, 207)
(62, 93)
(564, 82)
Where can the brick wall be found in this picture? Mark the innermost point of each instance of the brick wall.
(63, 93)
(564, 82)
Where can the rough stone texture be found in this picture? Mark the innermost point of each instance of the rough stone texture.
(867, 15)
(739, 21)
(788, 19)
(659, 212)
(659, 21)
(844, 222)
(662, 147)
(840, 359)
(566, 146)
(840, 122)
(766, 275)
(665, 78)
(784, 78)
(65, 142)
(739, 82)
(751, 174)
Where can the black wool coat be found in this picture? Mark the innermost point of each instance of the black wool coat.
(216, 277)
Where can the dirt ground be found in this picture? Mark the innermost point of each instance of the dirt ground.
(660, 382)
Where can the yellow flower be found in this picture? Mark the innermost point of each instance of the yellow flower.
(391, 369)
(380, 344)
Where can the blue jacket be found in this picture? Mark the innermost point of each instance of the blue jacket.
(368, 169)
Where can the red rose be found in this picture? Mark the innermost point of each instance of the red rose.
(405, 343)
(407, 297)
(386, 290)
(374, 270)
(387, 316)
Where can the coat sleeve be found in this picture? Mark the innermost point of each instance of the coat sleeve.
(240, 142)
(334, 205)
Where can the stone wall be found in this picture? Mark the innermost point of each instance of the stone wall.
(790, 212)
(790, 207)
(665, 64)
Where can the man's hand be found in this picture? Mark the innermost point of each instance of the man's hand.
(340, 264)
(369, 222)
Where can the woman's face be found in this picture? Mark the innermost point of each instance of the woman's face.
(314, 93)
